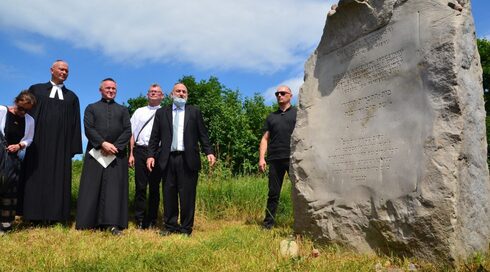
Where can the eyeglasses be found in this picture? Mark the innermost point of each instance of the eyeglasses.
(281, 93)
(21, 109)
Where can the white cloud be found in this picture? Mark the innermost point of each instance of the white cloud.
(255, 35)
(293, 83)
(33, 48)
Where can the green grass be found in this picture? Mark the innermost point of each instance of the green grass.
(227, 237)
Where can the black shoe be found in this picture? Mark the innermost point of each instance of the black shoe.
(166, 233)
(6, 229)
(115, 231)
(140, 225)
(152, 225)
(267, 226)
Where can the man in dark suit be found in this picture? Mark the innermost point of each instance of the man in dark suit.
(179, 129)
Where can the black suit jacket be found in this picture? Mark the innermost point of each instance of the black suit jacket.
(194, 133)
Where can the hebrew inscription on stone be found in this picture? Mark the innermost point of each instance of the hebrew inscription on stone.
(373, 112)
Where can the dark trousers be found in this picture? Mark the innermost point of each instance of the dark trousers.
(143, 180)
(277, 170)
(20, 192)
(8, 194)
(179, 186)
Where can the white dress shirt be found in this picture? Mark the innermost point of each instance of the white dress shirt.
(180, 135)
(139, 118)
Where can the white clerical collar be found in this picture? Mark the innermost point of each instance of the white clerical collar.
(58, 85)
(56, 90)
(153, 107)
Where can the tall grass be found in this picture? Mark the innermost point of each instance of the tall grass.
(241, 199)
(222, 196)
(226, 237)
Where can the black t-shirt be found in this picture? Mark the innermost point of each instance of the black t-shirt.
(14, 128)
(280, 126)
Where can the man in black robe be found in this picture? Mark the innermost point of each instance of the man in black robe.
(57, 139)
(103, 195)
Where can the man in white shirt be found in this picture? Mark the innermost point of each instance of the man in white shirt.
(141, 126)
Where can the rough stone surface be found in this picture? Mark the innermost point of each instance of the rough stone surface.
(389, 150)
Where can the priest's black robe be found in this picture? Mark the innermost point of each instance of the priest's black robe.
(103, 195)
(57, 138)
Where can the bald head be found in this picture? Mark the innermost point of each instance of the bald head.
(59, 71)
(284, 88)
(284, 95)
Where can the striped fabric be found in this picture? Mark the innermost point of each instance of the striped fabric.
(8, 204)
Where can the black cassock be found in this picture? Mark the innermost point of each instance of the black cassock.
(103, 195)
(57, 139)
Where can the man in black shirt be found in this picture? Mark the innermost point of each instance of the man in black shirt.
(276, 140)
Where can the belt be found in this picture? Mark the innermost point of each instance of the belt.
(141, 146)
(176, 153)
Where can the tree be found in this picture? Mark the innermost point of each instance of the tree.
(484, 50)
(135, 103)
(228, 123)
(140, 101)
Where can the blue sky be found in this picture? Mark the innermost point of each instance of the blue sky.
(250, 45)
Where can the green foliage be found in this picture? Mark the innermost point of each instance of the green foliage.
(487, 123)
(484, 50)
(135, 103)
(241, 198)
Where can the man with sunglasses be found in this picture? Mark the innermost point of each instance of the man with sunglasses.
(276, 141)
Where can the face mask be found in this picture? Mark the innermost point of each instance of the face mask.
(179, 102)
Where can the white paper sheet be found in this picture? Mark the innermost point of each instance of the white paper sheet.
(103, 160)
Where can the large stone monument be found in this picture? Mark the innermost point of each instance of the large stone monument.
(389, 150)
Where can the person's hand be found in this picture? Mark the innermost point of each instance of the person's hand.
(131, 161)
(262, 165)
(108, 148)
(150, 163)
(13, 148)
(211, 159)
